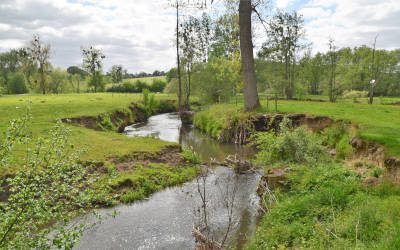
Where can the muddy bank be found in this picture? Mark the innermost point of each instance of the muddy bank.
(239, 130)
(170, 155)
(117, 120)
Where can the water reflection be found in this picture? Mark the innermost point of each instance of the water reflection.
(168, 127)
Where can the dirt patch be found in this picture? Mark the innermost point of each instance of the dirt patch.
(170, 155)
(392, 166)
(369, 151)
(274, 178)
(85, 121)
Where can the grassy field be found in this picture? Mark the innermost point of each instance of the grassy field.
(377, 122)
(99, 145)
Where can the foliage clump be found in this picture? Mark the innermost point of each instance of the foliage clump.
(190, 156)
(49, 187)
(288, 145)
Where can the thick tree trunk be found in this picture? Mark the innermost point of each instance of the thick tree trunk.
(251, 100)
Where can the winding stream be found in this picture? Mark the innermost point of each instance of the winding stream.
(166, 219)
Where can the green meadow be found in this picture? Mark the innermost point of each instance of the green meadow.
(98, 145)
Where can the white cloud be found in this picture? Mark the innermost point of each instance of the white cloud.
(282, 4)
(352, 22)
(137, 34)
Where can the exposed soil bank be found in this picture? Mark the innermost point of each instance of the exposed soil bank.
(239, 127)
(239, 130)
(117, 120)
(170, 156)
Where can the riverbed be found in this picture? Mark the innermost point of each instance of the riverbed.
(165, 220)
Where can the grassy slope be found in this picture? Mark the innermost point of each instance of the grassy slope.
(47, 109)
(379, 123)
(327, 207)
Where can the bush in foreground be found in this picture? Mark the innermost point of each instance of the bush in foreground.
(297, 145)
(49, 187)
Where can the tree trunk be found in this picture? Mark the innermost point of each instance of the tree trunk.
(188, 89)
(42, 83)
(178, 60)
(251, 100)
(288, 90)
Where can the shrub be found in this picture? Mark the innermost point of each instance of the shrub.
(343, 148)
(137, 86)
(292, 146)
(16, 84)
(334, 133)
(149, 102)
(351, 94)
(157, 85)
(49, 187)
(190, 156)
(105, 122)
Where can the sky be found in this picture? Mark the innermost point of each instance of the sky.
(139, 34)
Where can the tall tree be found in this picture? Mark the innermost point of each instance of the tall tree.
(285, 31)
(40, 53)
(226, 36)
(332, 57)
(92, 61)
(178, 5)
(195, 39)
(250, 93)
(374, 74)
(116, 73)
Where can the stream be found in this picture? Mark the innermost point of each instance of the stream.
(165, 220)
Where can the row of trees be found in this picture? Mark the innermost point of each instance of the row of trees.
(213, 67)
(29, 69)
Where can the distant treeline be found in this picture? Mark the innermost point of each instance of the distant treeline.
(157, 85)
(144, 74)
(29, 70)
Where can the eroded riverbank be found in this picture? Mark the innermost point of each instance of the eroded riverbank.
(166, 219)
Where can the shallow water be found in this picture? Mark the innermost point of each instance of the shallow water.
(165, 220)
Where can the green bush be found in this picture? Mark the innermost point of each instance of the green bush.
(343, 147)
(334, 133)
(16, 84)
(157, 85)
(351, 94)
(291, 146)
(105, 122)
(138, 86)
(51, 188)
(149, 102)
(190, 156)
